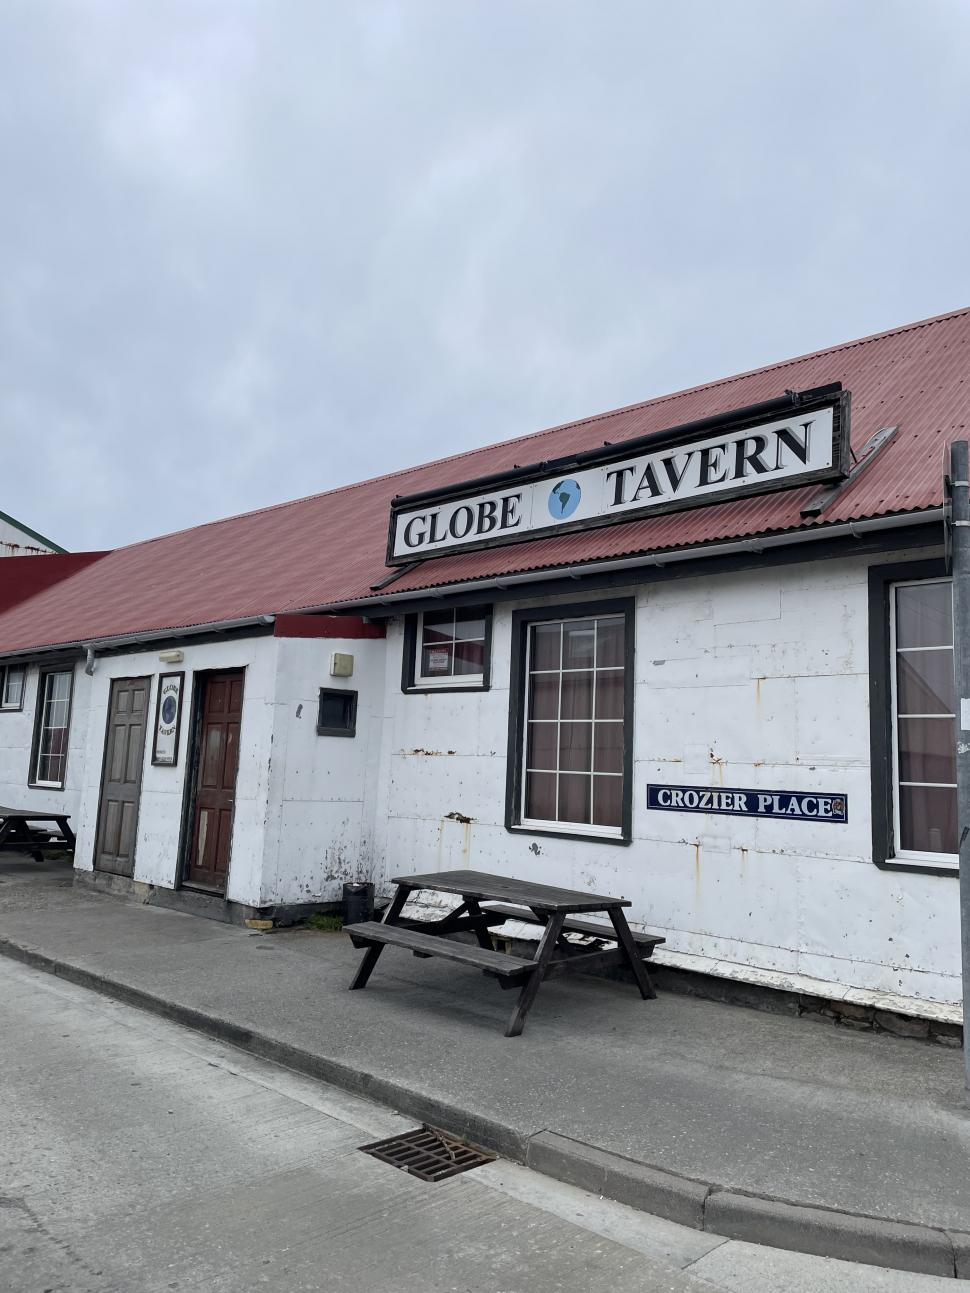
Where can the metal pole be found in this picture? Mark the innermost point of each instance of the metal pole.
(959, 478)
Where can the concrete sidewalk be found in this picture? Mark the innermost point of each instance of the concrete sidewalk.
(754, 1126)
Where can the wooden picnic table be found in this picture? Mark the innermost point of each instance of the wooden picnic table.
(16, 829)
(507, 899)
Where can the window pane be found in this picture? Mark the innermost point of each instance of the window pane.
(575, 747)
(924, 683)
(544, 695)
(608, 747)
(469, 624)
(470, 657)
(438, 626)
(543, 747)
(574, 791)
(13, 687)
(609, 643)
(577, 695)
(928, 819)
(575, 766)
(924, 615)
(52, 739)
(609, 693)
(577, 645)
(927, 749)
(546, 639)
(608, 801)
(540, 796)
(436, 661)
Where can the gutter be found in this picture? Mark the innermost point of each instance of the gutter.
(90, 646)
(734, 547)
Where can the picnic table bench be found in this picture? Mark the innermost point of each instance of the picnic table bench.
(16, 829)
(506, 899)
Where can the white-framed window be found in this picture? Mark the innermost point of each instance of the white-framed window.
(450, 648)
(574, 751)
(51, 728)
(12, 677)
(923, 722)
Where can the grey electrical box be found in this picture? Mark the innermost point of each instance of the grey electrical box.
(341, 665)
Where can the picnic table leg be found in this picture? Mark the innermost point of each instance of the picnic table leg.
(66, 831)
(372, 955)
(9, 834)
(15, 831)
(481, 929)
(547, 945)
(635, 961)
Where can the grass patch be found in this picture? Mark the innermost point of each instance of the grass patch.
(319, 921)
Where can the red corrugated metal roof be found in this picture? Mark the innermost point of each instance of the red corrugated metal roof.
(329, 549)
(24, 577)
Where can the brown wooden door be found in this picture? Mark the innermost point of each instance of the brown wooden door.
(214, 797)
(124, 754)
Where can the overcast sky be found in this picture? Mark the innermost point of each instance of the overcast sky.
(253, 250)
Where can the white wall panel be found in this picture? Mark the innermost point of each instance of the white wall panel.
(756, 679)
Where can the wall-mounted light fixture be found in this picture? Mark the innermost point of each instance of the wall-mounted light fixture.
(171, 657)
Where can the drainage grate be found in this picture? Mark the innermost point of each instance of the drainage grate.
(428, 1154)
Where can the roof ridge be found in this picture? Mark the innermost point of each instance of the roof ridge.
(562, 426)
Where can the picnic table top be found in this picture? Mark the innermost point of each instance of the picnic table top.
(479, 884)
(34, 814)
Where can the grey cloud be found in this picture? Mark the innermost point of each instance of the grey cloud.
(250, 251)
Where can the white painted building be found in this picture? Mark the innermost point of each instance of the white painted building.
(733, 706)
(18, 540)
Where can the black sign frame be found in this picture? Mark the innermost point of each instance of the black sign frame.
(707, 799)
(831, 396)
(158, 762)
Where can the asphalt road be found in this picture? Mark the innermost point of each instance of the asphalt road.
(136, 1155)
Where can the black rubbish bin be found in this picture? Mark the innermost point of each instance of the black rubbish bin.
(358, 902)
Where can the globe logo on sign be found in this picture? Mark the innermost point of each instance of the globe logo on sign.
(564, 499)
(168, 710)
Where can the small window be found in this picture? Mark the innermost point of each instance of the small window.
(924, 721)
(51, 728)
(12, 686)
(448, 649)
(337, 713)
(570, 770)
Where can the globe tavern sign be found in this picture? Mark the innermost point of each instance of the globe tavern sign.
(794, 440)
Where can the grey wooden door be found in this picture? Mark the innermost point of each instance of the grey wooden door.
(124, 754)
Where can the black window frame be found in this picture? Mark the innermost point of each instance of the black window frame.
(4, 670)
(42, 675)
(344, 693)
(410, 683)
(882, 578)
(522, 621)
